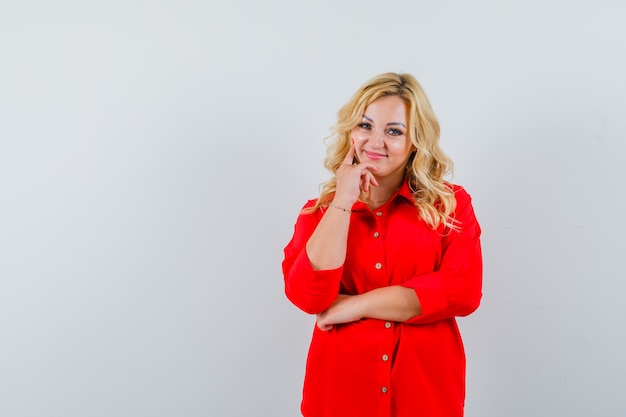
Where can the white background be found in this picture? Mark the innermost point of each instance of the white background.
(154, 156)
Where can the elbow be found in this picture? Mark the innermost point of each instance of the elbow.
(310, 303)
(311, 291)
(469, 295)
(469, 305)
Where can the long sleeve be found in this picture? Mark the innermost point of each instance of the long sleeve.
(455, 287)
(360, 367)
(311, 291)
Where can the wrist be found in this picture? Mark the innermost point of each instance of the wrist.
(342, 203)
(360, 305)
(338, 207)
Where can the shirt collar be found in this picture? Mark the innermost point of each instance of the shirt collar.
(404, 191)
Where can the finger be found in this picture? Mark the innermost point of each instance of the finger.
(369, 167)
(367, 179)
(365, 183)
(364, 180)
(373, 180)
(324, 327)
(350, 155)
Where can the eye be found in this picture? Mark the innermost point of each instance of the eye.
(365, 126)
(395, 132)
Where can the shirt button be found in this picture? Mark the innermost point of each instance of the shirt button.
(379, 213)
(378, 265)
(385, 357)
(384, 390)
(388, 325)
(376, 234)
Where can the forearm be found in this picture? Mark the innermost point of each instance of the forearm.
(326, 248)
(394, 303)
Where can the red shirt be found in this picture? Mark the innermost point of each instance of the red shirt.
(377, 368)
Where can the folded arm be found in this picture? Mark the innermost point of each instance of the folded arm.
(394, 303)
(313, 284)
(454, 289)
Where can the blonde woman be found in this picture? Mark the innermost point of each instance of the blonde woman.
(386, 257)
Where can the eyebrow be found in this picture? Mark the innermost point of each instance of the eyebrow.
(388, 124)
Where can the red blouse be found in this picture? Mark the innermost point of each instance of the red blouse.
(379, 368)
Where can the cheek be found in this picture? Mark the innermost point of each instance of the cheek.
(359, 139)
(357, 136)
(401, 149)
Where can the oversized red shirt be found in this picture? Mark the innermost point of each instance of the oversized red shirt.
(379, 368)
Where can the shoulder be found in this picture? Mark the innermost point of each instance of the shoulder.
(310, 203)
(460, 194)
(464, 210)
(306, 222)
(311, 209)
(307, 208)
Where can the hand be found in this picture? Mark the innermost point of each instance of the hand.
(352, 178)
(345, 309)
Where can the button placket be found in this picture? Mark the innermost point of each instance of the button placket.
(384, 364)
(385, 347)
(378, 265)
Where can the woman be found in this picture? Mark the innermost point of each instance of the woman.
(386, 257)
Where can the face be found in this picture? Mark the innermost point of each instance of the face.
(381, 137)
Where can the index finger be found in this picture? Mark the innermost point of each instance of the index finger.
(350, 155)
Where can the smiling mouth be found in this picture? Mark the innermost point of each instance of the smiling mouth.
(374, 156)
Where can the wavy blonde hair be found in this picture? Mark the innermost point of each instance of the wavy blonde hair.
(426, 168)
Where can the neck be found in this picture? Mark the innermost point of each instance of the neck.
(380, 194)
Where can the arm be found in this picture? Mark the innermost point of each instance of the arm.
(394, 303)
(309, 289)
(314, 258)
(454, 289)
(326, 247)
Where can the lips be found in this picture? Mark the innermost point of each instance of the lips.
(374, 156)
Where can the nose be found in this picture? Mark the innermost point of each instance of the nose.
(377, 138)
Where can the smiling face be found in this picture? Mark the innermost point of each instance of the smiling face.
(381, 137)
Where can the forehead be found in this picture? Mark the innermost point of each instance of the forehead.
(387, 107)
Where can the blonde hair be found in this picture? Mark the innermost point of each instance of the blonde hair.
(426, 168)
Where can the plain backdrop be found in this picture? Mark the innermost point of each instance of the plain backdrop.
(154, 156)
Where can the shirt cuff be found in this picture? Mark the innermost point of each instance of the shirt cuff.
(430, 293)
(312, 291)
